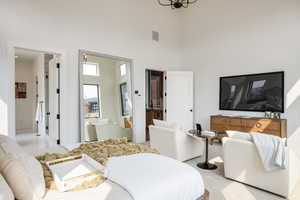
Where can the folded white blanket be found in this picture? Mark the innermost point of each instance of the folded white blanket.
(271, 150)
(153, 177)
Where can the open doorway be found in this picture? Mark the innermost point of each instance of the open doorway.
(37, 93)
(154, 98)
(106, 106)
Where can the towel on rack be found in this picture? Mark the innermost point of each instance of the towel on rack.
(271, 150)
(39, 116)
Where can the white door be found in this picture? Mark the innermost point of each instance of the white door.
(180, 98)
(53, 100)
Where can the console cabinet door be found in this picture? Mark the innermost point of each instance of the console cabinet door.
(275, 127)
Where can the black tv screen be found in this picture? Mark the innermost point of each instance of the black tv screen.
(253, 92)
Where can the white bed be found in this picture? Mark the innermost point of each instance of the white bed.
(142, 176)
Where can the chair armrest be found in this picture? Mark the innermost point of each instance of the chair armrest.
(161, 131)
(175, 143)
(164, 140)
(294, 172)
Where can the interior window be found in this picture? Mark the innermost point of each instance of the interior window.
(91, 101)
(258, 84)
(123, 69)
(257, 91)
(90, 69)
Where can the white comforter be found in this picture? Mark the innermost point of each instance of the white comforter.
(153, 177)
(271, 150)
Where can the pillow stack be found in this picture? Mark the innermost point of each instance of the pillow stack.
(22, 172)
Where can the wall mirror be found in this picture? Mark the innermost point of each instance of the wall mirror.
(106, 108)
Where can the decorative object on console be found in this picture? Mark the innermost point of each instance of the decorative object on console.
(177, 3)
(272, 115)
(277, 115)
(277, 127)
(268, 114)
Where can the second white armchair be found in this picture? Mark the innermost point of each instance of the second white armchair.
(171, 141)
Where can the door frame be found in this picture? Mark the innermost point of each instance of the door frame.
(12, 52)
(83, 52)
(164, 89)
(164, 96)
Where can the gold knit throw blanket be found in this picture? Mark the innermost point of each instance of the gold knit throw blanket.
(99, 151)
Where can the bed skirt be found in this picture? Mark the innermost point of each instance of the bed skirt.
(205, 196)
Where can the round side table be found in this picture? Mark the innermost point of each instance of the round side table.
(204, 165)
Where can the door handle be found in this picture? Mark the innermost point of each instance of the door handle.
(191, 110)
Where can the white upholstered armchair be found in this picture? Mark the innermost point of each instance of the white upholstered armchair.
(242, 163)
(174, 143)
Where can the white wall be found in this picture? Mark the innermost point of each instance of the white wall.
(239, 37)
(120, 28)
(216, 38)
(7, 87)
(25, 107)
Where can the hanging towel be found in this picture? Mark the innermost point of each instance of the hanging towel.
(39, 113)
(271, 150)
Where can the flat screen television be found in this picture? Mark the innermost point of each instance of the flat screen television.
(253, 92)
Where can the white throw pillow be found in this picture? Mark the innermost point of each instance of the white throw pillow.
(239, 135)
(11, 144)
(5, 191)
(22, 172)
(165, 124)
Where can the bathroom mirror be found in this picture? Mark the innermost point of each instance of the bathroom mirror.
(105, 97)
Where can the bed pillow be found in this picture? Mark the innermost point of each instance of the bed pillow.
(165, 124)
(239, 135)
(22, 172)
(11, 144)
(5, 191)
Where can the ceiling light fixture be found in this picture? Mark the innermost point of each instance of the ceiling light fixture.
(176, 3)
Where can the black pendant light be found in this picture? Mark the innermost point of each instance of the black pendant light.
(176, 3)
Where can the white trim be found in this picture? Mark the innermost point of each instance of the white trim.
(11, 46)
(80, 63)
(98, 73)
